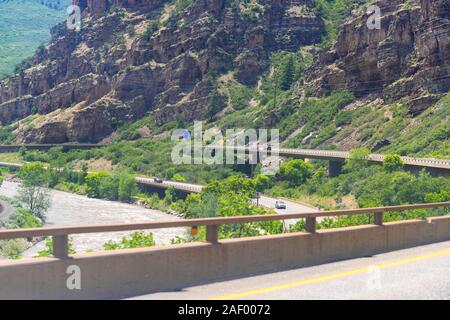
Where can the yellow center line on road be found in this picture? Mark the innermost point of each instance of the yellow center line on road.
(331, 276)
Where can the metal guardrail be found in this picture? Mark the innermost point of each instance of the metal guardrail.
(61, 242)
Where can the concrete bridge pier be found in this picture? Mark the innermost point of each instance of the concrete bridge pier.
(435, 172)
(335, 168)
(149, 189)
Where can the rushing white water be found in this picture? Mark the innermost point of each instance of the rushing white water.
(71, 209)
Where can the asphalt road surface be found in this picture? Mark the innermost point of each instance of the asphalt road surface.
(416, 273)
(264, 201)
(291, 207)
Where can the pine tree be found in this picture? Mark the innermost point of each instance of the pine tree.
(287, 74)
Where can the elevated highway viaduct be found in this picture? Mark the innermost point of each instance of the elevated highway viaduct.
(336, 159)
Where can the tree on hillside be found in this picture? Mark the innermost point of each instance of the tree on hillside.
(296, 171)
(287, 74)
(262, 182)
(127, 187)
(93, 181)
(33, 191)
(359, 158)
(392, 162)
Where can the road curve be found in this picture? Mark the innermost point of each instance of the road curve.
(264, 200)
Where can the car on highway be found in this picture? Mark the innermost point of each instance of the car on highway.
(158, 180)
(280, 205)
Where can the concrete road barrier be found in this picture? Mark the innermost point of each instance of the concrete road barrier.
(134, 272)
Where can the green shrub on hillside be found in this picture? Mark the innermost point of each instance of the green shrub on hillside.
(295, 171)
(392, 162)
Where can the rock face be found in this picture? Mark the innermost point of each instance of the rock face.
(117, 69)
(408, 56)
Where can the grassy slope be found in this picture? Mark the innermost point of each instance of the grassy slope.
(24, 25)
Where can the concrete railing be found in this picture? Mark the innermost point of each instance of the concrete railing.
(11, 165)
(342, 155)
(187, 187)
(61, 243)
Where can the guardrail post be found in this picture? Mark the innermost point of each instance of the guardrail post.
(212, 235)
(378, 218)
(61, 246)
(310, 224)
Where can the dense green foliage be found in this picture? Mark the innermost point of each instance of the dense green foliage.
(21, 218)
(334, 13)
(152, 158)
(427, 135)
(33, 189)
(296, 171)
(320, 115)
(6, 134)
(119, 185)
(372, 186)
(48, 251)
(134, 240)
(392, 162)
(12, 249)
(287, 74)
(229, 197)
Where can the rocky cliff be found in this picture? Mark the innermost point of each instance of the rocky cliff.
(407, 58)
(134, 57)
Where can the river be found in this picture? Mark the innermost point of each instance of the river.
(72, 209)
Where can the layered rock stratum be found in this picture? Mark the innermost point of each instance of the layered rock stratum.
(84, 82)
(409, 56)
(133, 57)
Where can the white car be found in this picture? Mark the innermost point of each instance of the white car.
(280, 205)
